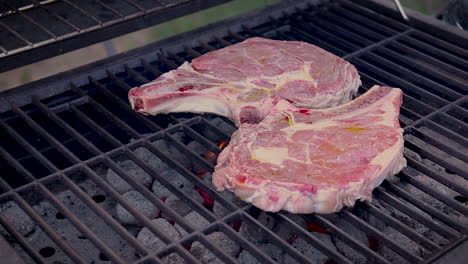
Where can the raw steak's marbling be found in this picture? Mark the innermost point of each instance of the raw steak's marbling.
(242, 81)
(306, 161)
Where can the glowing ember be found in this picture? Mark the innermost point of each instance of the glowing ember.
(373, 243)
(222, 144)
(209, 155)
(201, 175)
(209, 202)
(313, 227)
(187, 247)
(237, 225)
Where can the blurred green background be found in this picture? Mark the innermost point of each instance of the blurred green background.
(136, 39)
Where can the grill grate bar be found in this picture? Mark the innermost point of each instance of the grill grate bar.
(61, 123)
(150, 68)
(189, 176)
(358, 18)
(167, 210)
(113, 10)
(436, 155)
(427, 189)
(24, 243)
(408, 88)
(52, 13)
(305, 36)
(350, 25)
(343, 33)
(435, 176)
(199, 138)
(462, 126)
(67, 249)
(15, 164)
(136, 5)
(342, 235)
(406, 98)
(458, 51)
(155, 200)
(377, 45)
(25, 144)
(405, 230)
(139, 216)
(418, 216)
(135, 75)
(441, 145)
(431, 60)
(130, 131)
(217, 131)
(276, 239)
(172, 65)
(82, 228)
(416, 78)
(361, 11)
(87, 14)
(221, 41)
(194, 156)
(236, 36)
(325, 36)
(246, 245)
(27, 7)
(18, 35)
(95, 127)
(54, 142)
(335, 255)
(125, 106)
(425, 207)
(179, 59)
(31, 20)
(427, 117)
(105, 216)
(415, 43)
(370, 230)
(192, 52)
(206, 46)
(442, 130)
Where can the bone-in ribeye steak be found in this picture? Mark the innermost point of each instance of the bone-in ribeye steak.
(306, 161)
(242, 81)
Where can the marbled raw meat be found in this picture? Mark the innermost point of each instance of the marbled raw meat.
(306, 161)
(242, 81)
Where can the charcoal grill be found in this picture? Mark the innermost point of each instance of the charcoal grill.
(60, 136)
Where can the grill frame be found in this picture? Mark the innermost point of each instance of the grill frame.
(127, 62)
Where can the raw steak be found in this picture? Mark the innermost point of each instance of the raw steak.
(242, 81)
(306, 161)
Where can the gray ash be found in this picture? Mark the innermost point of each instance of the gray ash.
(17, 217)
(136, 173)
(220, 240)
(140, 203)
(153, 242)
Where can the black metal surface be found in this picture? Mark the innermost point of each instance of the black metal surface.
(55, 142)
(33, 30)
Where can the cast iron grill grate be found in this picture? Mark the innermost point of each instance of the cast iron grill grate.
(58, 153)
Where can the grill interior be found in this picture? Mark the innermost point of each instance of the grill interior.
(58, 153)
